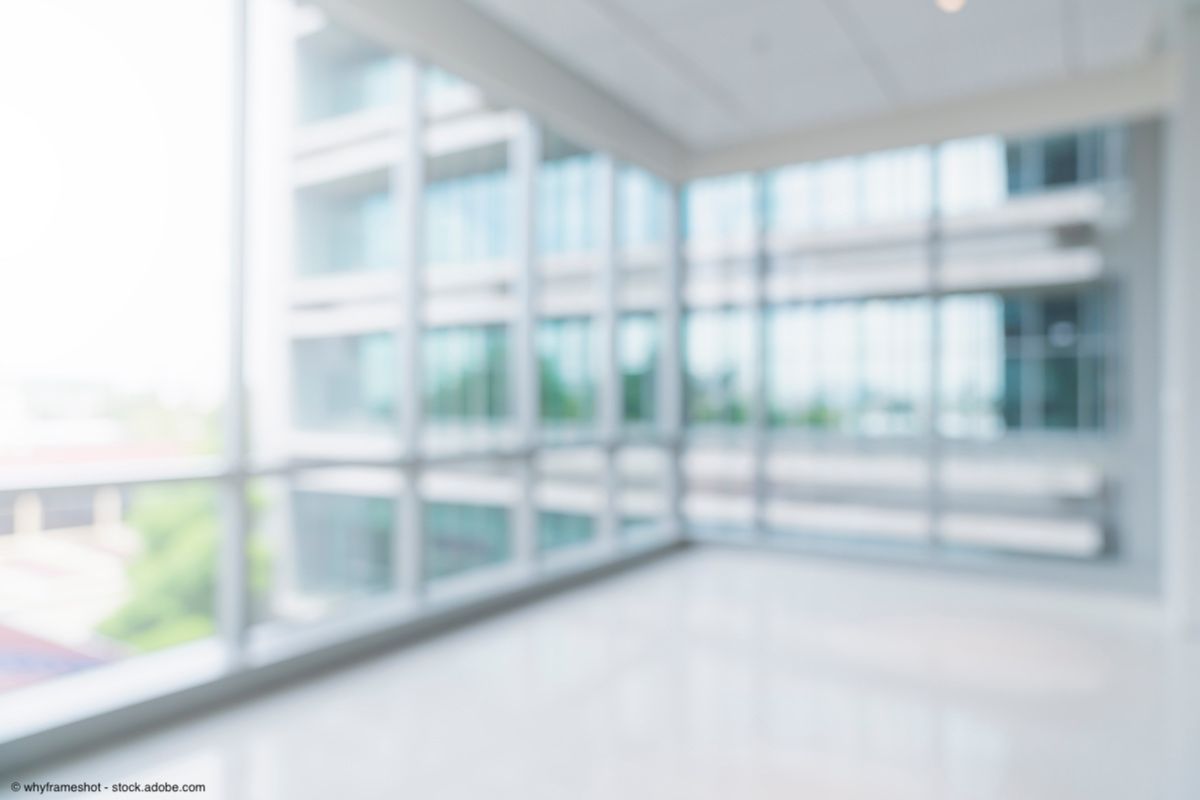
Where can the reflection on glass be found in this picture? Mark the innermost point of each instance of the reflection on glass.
(459, 537)
(719, 355)
(344, 382)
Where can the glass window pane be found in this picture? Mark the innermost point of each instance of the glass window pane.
(344, 383)
(460, 537)
(558, 530)
(341, 74)
(343, 543)
(115, 248)
(638, 354)
(718, 353)
(94, 576)
(1060, 400)
(721, 209)
(466, 374)
(642, 209)
(1061, 160)
(567, 383)
(977, 380)
(972, 175)
(568, 198)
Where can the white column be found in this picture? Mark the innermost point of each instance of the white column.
(933, 432)
(608, 320)
(524, 158)
(408, 186)
(233, 591)
(1181, 337)
(759, 410)
(670, 365)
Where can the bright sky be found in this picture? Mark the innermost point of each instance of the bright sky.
(114, 192)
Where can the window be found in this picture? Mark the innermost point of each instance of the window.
(1019, 362)
(642, 205)
(896, 186)
(345, 382)
(442, 86)
(92, 576)
(1035, 164)
(720, 356)
(343, 543)
(466, 373)
(566, 357)
(344, 81)
(638, 353)
(558, 530)
(346, 231)
(879, 188)
(721, 209)
(461, 537)
(568, 198)
(855, 367)
(972, 175)
(836, 185)
(629, 525)
(792, 199)
(468, 207)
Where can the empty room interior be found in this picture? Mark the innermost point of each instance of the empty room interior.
(600, 399)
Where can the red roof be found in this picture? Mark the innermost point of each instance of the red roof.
(26, 659)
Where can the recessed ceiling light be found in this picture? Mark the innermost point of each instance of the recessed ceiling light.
(951, 6)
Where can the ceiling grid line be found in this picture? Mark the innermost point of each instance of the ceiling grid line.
(722, 78)
(1071, 44)
(650, 41)
(870, 54)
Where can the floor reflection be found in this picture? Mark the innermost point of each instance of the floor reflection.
(720, 674)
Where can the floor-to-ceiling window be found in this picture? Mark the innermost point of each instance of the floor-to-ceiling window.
(933, 333)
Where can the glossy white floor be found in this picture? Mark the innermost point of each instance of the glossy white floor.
(718, 674)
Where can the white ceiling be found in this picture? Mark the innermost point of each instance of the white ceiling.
(716, 72)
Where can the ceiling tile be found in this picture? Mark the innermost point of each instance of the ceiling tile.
(898, 24)
(548, 24)
(665, 14)
(1111, 35)
(725, 45)
(981, 64)
(711, 71)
